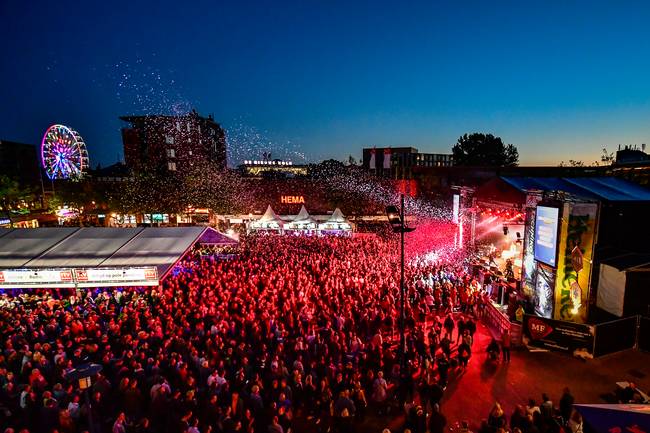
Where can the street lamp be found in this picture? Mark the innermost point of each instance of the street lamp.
(83, 374)
(397, 221)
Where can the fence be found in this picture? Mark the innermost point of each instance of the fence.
(618, 335)
(643, 339)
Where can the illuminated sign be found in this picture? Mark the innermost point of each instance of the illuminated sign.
(546, 223)
(4, 221)
(292, 199)
(98, 277)
(455, 209)
(116, 277)
(19, 278)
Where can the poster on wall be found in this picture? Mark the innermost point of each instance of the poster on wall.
(574, 262)
(573, 338)
(546, 223)
(529, 266)
(543, 297)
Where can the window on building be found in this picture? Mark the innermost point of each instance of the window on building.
(169, 139)
(199, 127)
(171, 166)
(178, 126)
(190, 153)
(171, 153)
(188, 126)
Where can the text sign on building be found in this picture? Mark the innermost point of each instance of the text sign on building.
(18, 278)
(292, 199)
(104, 277)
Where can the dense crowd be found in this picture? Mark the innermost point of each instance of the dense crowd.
(293, 334)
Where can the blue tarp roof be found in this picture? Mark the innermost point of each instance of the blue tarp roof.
(597, 188)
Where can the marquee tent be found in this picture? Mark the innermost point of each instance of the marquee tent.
(215, 237)
(606, 418)
(91, 256)
(268, 222)
(336, 223)
(302, 221)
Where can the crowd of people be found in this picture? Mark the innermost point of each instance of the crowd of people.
(293, 334)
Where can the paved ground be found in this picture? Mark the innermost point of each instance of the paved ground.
(529, 374)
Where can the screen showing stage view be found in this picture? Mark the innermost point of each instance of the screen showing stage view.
(546, 234)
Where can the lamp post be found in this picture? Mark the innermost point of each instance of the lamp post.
(83, 374)
(397, 221)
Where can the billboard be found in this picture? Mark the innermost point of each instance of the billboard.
(546, 223)
(544, 290)
(574, 262)
(573, 338)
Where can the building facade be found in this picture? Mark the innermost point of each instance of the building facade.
(20, 162)
(174, 143)
(398, 162)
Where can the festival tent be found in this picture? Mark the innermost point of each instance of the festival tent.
(216, 238)
(336, 223)
(607, 418)
(268, 222)
(302, 221)
(91, 256)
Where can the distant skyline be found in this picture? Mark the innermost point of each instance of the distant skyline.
(311, 80)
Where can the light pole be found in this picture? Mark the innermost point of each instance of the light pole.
(84, 374)
(396, 219)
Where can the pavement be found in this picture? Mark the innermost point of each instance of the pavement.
(471, 394)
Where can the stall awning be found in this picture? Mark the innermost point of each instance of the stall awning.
(91, 256)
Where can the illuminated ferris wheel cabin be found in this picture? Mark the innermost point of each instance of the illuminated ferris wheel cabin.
(63, 153)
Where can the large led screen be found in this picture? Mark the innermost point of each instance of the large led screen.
(546, 221)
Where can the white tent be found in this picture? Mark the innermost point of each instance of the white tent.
(91, 256)
(268, 222)
(335, 223)
(302, 221)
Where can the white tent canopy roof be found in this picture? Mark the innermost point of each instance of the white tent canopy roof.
(303, 216)
(269, 216)
(69, 248)
(337, 217)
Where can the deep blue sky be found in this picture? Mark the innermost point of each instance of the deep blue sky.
(559, 79)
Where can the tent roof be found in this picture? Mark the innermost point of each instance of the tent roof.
(215, 237)
(19, 246)
(337, 217)
(269, 216)
(156, 246)
(604, 418)
(628, 261)
(303, 216)
(96, 247)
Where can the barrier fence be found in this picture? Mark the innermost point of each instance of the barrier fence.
(643, 339)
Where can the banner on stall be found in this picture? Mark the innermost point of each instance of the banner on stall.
(574, 262)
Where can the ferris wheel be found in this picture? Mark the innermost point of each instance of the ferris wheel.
(63, 153)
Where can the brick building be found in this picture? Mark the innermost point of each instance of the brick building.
(174, 143)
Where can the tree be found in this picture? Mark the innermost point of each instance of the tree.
(480, 149)
(607, 158)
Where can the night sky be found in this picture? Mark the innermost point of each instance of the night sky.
(324, 78)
